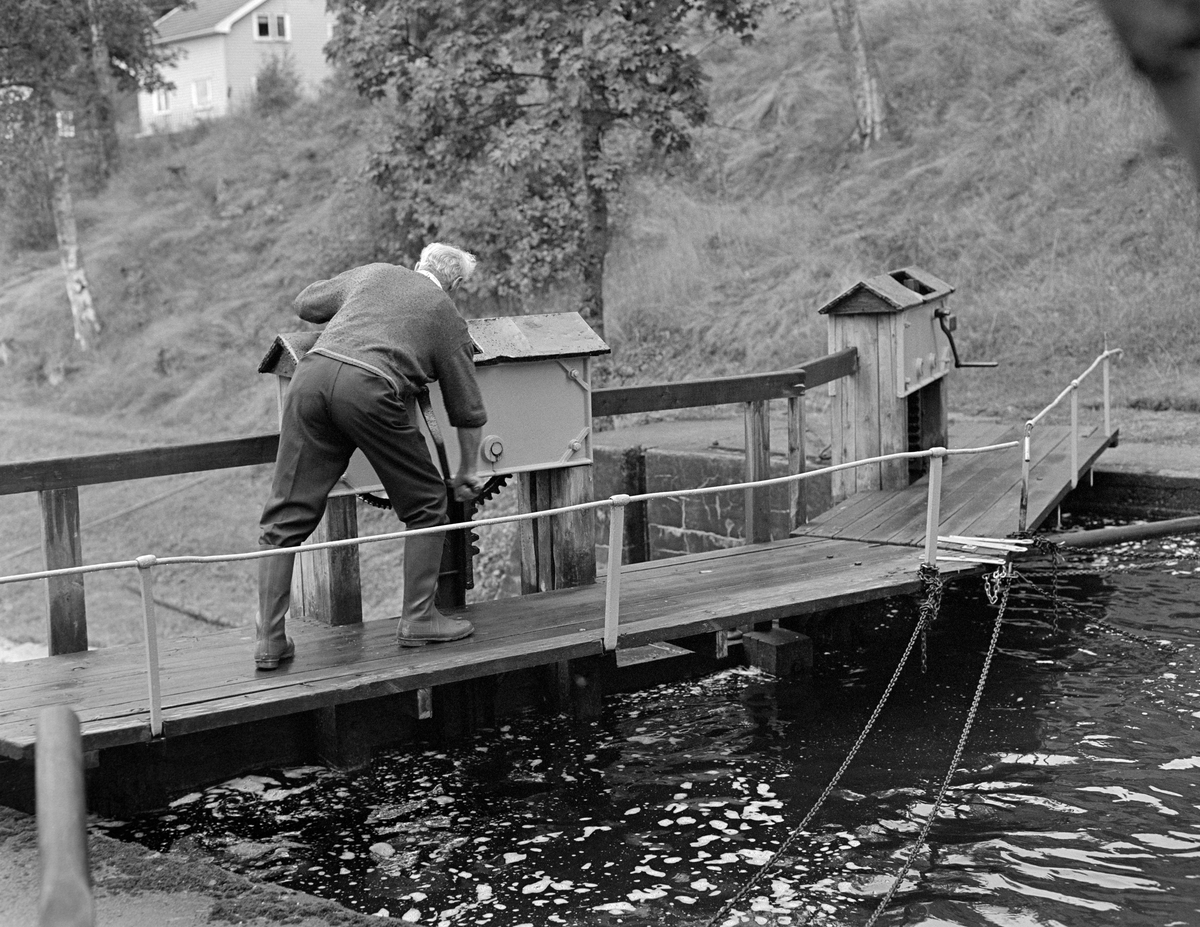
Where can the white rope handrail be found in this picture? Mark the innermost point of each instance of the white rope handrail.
(499, 520)
(145, 564)
(1072, 386)
(1071, 390)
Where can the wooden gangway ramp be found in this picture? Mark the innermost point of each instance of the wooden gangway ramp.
(981, 493)
(867, 548)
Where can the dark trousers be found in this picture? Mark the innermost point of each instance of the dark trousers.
(330, 409)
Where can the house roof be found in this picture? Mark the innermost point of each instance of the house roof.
(202, 17)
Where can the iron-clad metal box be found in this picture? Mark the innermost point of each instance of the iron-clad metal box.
(534, 372)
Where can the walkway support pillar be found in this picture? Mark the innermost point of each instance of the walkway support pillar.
(558, 552)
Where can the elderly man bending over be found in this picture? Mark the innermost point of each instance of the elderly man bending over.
(390, 332)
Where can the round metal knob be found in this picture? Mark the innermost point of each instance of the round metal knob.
(491, 448)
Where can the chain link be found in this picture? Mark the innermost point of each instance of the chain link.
(1093, 621)
(931, 581)
(1001, 581)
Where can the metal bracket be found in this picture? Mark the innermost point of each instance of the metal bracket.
(573, 374)
(574, 446)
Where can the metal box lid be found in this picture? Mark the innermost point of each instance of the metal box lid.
(515, 338)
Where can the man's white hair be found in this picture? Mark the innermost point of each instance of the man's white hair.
(447, 261)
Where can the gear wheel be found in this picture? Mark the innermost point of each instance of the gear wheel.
(490, 489)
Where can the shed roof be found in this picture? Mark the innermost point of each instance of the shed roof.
(202, 17)
(515, 338)
(894, 291)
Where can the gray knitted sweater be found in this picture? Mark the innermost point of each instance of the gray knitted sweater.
(399, 324)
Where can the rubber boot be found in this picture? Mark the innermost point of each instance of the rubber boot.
(421, 623)
(274, 596)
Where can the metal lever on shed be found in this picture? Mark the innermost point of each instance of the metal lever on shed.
(949, 323)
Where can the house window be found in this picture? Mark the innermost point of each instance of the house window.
(269, 28)
(66, 123)
(202, 94)
(162, 102)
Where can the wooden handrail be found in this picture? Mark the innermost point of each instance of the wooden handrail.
(659, 397)
(144, 463)
(119, 466)
(755, 387)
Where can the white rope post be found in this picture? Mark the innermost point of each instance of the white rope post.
(1023, 512)
(612, 588)
(933, 505)
(1074, 433)
(1107, 397)
(145, 565)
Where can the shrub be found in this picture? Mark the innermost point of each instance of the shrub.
(277, 86)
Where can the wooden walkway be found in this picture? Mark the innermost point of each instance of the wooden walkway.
(867, 548)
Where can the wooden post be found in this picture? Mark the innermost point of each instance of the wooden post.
(758, 467)
(797, 491)
(558, 553)
(573, 535)
(636, 538)
(536, 564)
(66, 630)
(327, 586)
(346, 735)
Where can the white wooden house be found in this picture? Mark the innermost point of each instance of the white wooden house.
(223, 45)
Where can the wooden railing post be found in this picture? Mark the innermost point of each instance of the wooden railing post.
(559, 551)
(66, 629)
(797, 493)
(758, 467)
(1074, 433)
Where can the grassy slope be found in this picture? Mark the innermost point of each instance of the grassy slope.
(1028, 168)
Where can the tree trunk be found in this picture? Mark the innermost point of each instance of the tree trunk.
(870, 102)
(595, 226)
(79, 293)
(104, 97)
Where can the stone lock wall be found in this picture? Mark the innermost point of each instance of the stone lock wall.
(672, 527)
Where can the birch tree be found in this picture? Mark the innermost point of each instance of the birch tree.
(50, 54)
(870, 102)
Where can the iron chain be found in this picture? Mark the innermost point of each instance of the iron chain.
(931, 580)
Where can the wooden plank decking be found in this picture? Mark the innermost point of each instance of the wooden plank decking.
(981, 493)
(867, 548)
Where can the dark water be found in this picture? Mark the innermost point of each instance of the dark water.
(1075, 801)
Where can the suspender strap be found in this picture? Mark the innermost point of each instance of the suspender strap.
(435, 432)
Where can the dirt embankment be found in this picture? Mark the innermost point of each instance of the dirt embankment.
(136, 887)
